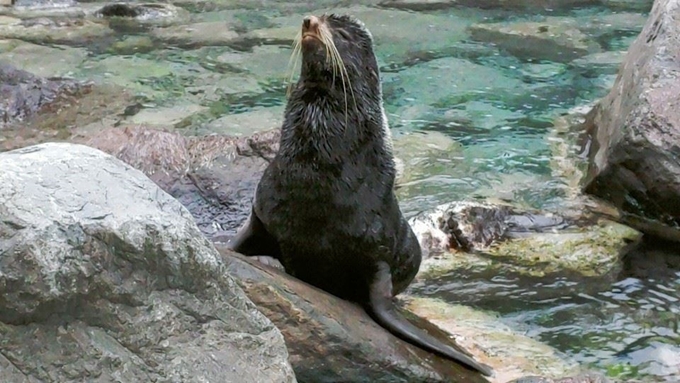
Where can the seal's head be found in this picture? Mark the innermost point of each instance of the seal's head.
(337, 51)
(336, 105)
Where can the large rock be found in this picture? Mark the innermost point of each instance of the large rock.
(332, 340)
(634, 131)
(104, 277)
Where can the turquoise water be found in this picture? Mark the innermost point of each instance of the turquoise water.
(492, 110)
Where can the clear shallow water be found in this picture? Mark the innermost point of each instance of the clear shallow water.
(626, 325)
(496, 111)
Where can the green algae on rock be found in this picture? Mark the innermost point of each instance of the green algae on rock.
(503, 237)
(590, 251)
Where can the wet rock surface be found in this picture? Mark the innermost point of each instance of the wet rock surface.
(466, 226)
(634, 131)
(330, 339)
(104, 277)
(471, 235)
(23, 94)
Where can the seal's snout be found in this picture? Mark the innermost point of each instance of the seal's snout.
(310, 25)
(310, 28)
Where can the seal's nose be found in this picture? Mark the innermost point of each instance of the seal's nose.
(310, 24)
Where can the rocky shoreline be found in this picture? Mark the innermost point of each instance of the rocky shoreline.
(111, 257)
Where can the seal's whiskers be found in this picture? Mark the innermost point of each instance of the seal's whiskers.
(338, 65)
(292, 63)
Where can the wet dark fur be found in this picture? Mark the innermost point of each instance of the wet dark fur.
(325, 206)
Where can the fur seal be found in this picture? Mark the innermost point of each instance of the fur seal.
(325, 206)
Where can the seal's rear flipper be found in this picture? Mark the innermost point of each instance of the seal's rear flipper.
(381, 307)
(253, 239)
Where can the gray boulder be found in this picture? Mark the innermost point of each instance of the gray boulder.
(104, 277)
(634, 132)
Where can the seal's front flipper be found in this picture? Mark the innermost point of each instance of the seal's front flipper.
(253, 239)
(381, 307)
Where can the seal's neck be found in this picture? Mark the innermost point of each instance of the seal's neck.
(328, 124)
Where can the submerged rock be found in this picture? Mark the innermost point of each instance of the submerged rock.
(556, 39)
(44, 3)
(58, 30)
(208, 33)
(333, 340)
(629, 5)
(634, 131)
(23, 94)
(597, 64)
(428, 5)
(29, 57)
(509, 353)
(105, 277)
(144, 12)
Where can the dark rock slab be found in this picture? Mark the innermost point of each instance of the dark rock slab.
(106, 278)
(332, 340)
(634, 132)
(23, 94)
(213, 176)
